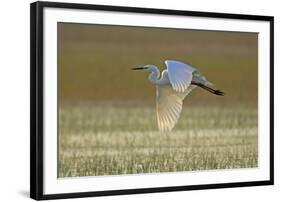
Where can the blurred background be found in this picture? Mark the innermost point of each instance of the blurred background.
(107, 119)
(95, 61)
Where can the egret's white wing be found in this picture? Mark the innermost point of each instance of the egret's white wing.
(180, 74)
(169, 106)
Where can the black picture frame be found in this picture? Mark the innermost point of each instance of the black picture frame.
(37, 99)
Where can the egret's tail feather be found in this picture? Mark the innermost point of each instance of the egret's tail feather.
(211, 90)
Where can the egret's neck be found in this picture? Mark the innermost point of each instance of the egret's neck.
(154, 75)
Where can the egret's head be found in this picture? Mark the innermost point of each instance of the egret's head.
(146, 67)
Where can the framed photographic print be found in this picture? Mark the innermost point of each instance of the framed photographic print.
(134, 100)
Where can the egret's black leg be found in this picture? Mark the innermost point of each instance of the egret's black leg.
(216, 92)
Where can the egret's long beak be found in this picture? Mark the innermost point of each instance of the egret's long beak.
(138, 68)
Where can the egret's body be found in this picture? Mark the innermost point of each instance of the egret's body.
(174, 84)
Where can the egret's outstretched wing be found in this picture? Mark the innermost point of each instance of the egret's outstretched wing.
(169, 106)
(180, 74)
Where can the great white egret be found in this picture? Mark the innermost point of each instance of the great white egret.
(176, 82)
